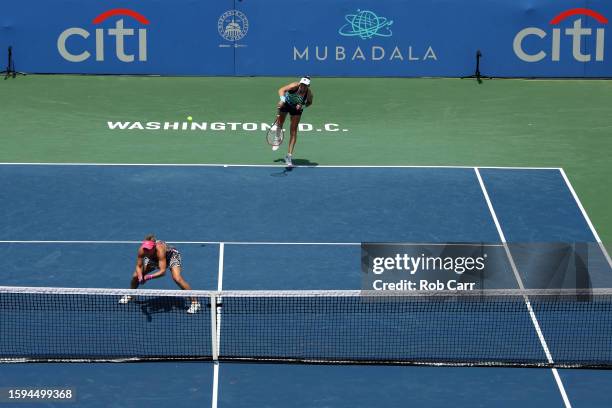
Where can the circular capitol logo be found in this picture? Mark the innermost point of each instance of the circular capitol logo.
(233, 25)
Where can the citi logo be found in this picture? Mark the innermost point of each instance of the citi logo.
(577, 35)
(75, 50)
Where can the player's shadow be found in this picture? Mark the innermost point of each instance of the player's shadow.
(296, 163)
(157, 305)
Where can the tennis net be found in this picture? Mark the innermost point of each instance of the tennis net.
(544, 328)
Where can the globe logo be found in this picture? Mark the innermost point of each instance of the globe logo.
(365, 24)
(233, 25)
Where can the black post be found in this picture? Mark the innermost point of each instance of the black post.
(477, 74)
(10, 67)
(478, 55)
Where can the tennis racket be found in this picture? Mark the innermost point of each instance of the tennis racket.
(273, 137)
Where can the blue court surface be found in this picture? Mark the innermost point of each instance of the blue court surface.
(271, 228)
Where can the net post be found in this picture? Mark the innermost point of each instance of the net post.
(213, 327)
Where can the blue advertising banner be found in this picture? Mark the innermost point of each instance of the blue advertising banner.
(539, 38)
(177, 37)
(427, 38)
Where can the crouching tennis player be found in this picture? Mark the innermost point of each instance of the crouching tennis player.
(154, 257)
(294, 97)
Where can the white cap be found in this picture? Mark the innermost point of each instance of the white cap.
(305, 81)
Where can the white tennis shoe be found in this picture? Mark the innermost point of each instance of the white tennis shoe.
(125, 299)
(288, 160)
(194, 308)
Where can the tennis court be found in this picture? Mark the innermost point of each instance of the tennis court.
(436, 236)
(266, 227)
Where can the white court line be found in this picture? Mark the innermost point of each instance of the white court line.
(220, 275)
(586, 217)
(254, 243)
(217, 334)
(68, 242)
(176, 242)
(274, 166)
(219, 288)
(534, 320)
(215, 391)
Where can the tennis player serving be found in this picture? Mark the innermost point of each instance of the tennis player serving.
(153, 258)
(294, 97)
